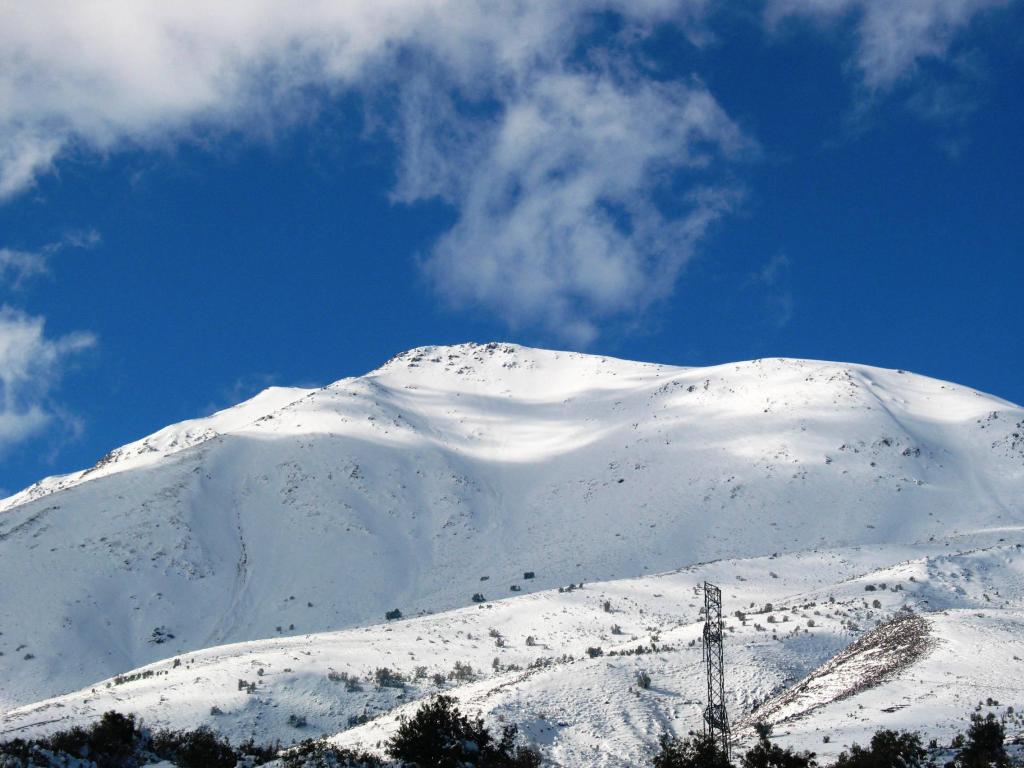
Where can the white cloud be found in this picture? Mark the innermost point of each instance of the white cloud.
(31, 364)
(549, 180)
(773, 280)
(555, 165)
(93, 76)
(894, 36)
(18, 266)
(557, 221)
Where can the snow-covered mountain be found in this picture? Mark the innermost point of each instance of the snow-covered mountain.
(827, 647)
(452, 471)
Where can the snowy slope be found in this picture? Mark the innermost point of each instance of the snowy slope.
(785, 663)
(302, 511)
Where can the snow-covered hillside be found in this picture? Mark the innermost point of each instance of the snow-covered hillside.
(834, 643)
(455, 470)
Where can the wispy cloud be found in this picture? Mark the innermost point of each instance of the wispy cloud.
(551, 170)
(97, 76)
(558, 224)
(580, 189)
(31, 364)
(773, 280)
(894, 37)
(19, 266)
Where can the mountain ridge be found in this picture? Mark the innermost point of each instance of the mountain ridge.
(308, 510)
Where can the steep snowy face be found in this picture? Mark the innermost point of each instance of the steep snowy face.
(454, 470)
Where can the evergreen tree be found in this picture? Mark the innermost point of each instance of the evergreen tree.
(767, 755)
(440, 736)
(984, 747)
(699, 751)
(889, 749)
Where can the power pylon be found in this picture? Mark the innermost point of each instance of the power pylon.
(716, 719)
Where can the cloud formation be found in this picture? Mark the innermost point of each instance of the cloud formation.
(893, 36)
(31, 364)
(551, 181)
(580, 188)
(18, 266)
(100, 75)
(558, 222)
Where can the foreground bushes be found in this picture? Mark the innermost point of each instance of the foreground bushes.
(117, 741)
(984, 747)
(437, 736)
(440, 736)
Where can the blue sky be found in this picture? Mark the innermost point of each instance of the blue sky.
(198, 202)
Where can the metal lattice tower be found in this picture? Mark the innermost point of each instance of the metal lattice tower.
(716, 719)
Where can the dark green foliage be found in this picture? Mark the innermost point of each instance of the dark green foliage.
(114, 738)
(697, 751)
(440, 736)
(73, 742)
(16, 753)
(317, 753)
(111, 742)
(767, 755)
(261, 753)
(984, 745)
(388, 678)
(889, 749)
(201, 748)
(393, 615)
(116, 741)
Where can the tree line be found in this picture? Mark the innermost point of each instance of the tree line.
(439, 735)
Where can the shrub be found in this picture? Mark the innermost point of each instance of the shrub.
(479, 598)
(320, 754)
(440, 735)
(388, 678)
(393, 615)
(116, 741)
(352, 684)
(74, 741)
(112, 739)
(984, 745)
(461, 672)
(888, 748)
(643, 679)
(764, 754)
(201, 748)
(697, 751)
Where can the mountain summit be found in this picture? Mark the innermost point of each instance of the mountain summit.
(451, 471)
